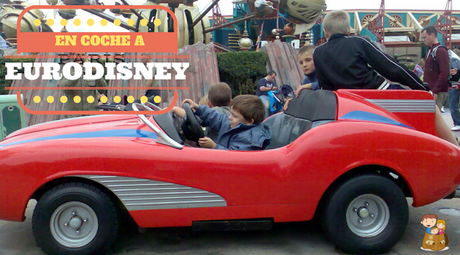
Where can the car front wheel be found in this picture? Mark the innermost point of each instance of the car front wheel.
(75, 218)
(366, 214)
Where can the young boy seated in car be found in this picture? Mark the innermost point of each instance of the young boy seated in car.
(243, 130)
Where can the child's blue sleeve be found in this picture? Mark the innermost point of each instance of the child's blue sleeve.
(211, 118)
(239, 143)
(314, 85)
(306, 80)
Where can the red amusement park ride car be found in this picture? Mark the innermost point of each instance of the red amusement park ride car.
(351, 156)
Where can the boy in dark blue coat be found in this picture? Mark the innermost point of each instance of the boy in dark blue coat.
(305, 57)
(242, 130)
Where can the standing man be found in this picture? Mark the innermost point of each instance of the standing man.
(437, 70)
(263, 86)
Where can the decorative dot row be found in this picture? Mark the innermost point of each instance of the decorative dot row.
(90, 22)
(91, 99)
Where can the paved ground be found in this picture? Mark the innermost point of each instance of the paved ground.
(287, 238)
(284, 239)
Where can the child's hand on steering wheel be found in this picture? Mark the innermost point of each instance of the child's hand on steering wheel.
(192, 104)
(206, 142)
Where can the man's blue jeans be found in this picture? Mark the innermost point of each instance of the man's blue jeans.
(266, 101)
(454, 97)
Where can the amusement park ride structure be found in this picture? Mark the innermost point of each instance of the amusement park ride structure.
(196, 26)
(380, 23)
(193, 26)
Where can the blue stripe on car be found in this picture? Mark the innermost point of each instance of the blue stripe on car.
(360, 115)
(94, 134)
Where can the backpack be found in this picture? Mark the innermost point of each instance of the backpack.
(454, 60)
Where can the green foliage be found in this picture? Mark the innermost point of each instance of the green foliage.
(7, 83)
(242, 70)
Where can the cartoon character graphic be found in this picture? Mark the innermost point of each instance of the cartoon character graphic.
(435, 237)
(433, 231)
(441, 226)
(429, 220)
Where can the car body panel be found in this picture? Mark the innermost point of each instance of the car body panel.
(284, 184)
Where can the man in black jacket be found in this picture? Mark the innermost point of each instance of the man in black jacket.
(353, 62)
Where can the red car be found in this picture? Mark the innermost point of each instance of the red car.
(351, 157)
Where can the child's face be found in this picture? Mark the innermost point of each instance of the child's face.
(429, 222)
(434, 231)
(440, 225)
(236, 117)
(306, 62)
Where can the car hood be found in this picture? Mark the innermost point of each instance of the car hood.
(83, 127)
(71, 123)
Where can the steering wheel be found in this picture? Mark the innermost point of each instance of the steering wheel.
(190, 126)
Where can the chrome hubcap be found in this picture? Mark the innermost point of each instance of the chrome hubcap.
(367, 215)
(363, 212)
(74, 224)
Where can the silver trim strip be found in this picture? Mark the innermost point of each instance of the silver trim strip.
(405, 105)
(385, 84)
(144, 194)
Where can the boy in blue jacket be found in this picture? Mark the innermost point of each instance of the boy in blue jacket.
(305, 57)
(242, 130)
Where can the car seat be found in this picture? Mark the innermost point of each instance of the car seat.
(309, 110)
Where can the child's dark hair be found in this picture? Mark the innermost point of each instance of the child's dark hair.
(250, 107)
(220, 94)
(271, 72)
(306, 48)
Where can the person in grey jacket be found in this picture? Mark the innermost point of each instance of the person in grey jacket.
(242, 130)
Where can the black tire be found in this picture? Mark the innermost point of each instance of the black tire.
(386, 220)
(72, 203)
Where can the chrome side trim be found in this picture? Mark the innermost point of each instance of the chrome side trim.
(405, 105)
(144, 194)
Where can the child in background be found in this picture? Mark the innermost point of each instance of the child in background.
(219, 99)
(305, 57)
(418, 69)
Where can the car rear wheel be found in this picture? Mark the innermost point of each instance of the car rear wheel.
(365, 214)
(75, 218)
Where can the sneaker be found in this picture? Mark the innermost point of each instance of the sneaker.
(442, 109)
(455, 128)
